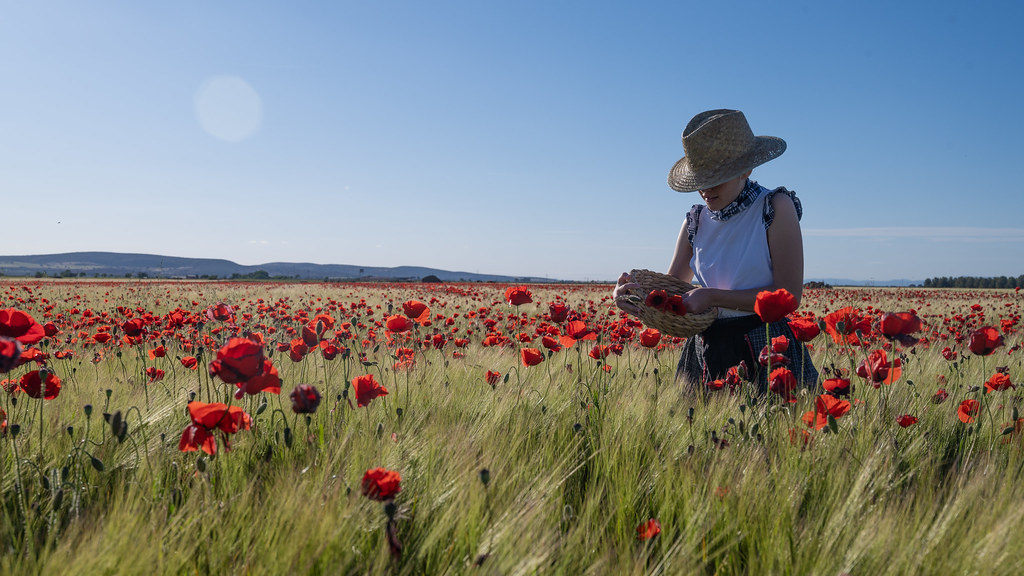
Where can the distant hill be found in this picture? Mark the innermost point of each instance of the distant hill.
(117, 265)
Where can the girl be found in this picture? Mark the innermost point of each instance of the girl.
(742, 240)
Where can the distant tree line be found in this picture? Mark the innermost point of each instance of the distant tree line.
(974, 282)
(262, 275)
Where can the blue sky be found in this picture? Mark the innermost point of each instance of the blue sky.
(520, 138)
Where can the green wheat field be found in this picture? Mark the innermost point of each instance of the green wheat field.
(592, 461)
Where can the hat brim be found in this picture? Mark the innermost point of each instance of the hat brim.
(682, 179)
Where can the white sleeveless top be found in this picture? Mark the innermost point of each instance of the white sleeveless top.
(732, 254)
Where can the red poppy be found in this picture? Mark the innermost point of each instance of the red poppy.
(774, 306)
(493, 377)
(648, 529)
(416, 310)
(367, 388)
(531, 356)
(309, 337)
(899, 326)
(516, 295)
(190, 362)
(877, 369)
(998, 382)
(782, 382)
(558, 312)
(209, 417)
(805, 329)
(398, 323)
(381, 484)
(898, 323)
(329, 351)
(237, 361)
(906, 420)
(948, 353)
(576, 330)
(154, 374)
(297, 349)
(267, 381)
(10, 353)
(837, 386)
(661, 300)
(940, 396)
(305, 399)
(551, 344)
(843, 325)
(733, 376)
(650, 337)
(50, 329)
(34, 385)
(985, 340)
(776, 356)
(598, 352)
(825, 406)
(133, 328)
(968, 410)
(33, 355)
(321, 324)
(220, 312)
(20, 326)
(102, 337)
(158, 352)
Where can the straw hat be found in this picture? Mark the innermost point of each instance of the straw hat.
(719, 146)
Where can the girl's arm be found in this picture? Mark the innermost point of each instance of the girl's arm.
(680, 266)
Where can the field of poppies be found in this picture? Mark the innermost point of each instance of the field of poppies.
(222, 428)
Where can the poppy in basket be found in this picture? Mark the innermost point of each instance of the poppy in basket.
(661, 300)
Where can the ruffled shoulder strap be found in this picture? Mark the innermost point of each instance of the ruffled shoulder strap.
(769, 210)
(692, 219)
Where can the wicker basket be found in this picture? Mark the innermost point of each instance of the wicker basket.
(666, 322)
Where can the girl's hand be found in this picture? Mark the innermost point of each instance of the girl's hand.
(622, 288)
(698, 300)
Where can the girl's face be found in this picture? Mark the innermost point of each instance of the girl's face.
(718, 197)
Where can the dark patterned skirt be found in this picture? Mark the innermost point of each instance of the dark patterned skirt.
(729, 341)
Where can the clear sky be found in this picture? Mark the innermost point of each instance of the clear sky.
(521, 138)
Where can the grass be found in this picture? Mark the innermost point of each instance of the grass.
(576, 460)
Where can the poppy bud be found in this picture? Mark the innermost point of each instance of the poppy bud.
(485, 476)
(15, 429)
(88, 411)
(115, 423)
